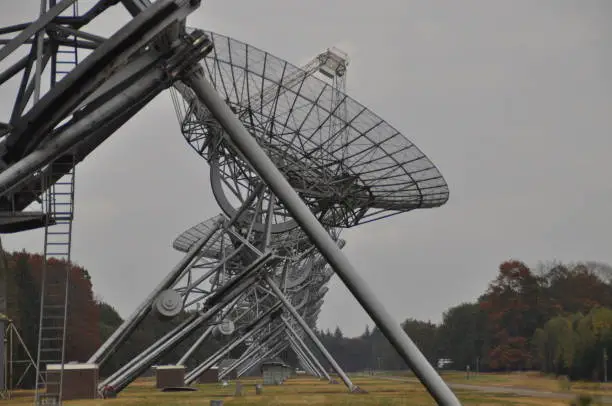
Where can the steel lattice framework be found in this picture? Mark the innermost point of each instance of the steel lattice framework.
(293, 161)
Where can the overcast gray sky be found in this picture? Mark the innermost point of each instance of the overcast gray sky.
(512, 101)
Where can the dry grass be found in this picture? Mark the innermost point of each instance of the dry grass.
(300, 391)
(531, 380)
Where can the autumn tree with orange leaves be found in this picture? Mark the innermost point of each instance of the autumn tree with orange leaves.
(518, 302)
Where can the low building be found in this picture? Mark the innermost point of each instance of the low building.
(169, 376)
(275, 372)
(80, 381)
(211, 375)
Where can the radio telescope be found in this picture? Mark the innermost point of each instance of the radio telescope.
(259, 222)
(286, 149)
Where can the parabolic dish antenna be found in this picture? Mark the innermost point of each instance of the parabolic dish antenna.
(294, 238)
(347, 163)
(299, 273)
(300, 299)
(191, 236)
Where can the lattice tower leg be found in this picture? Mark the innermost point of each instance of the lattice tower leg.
(249, 331)
(308, 363)
(271, 353)
(308, 355)
(252, 352)
(313, 337)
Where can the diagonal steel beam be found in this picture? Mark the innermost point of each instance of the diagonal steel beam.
(307, 367)
(14, 69)
(304, 358)
(267, 170)
(251, 351)
(196, 345)
(305, 349)
(34, 28)
(136, 6)
(250, 330)
(271, 353)
(126, 328)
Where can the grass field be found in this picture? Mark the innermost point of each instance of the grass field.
(308, 391)
(533, 380)
(527, 380)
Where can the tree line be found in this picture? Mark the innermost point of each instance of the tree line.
(556, 318)
(22, 275)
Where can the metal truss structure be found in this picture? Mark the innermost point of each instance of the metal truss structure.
(293, 161)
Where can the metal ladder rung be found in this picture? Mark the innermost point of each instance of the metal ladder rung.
(58, 295)
(51, 309)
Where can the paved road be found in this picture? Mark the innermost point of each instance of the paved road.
(502, 389)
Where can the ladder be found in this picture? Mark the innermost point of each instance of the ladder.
(58, 201)
(57, 183)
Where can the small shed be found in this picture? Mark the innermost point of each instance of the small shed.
(275, 372)
(80, 381)
(211, 375)
(169, 376)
